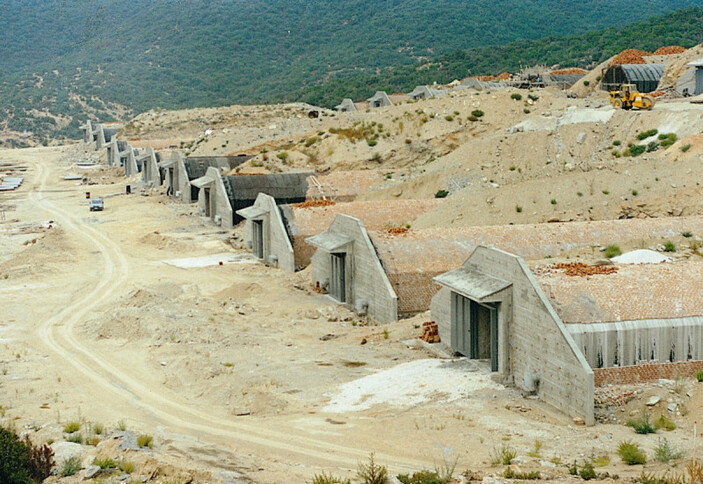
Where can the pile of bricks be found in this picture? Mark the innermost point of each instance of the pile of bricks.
(397, 230)
(314, 204)
(583, 270)
(430, 332)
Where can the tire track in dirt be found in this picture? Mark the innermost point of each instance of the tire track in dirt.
(58, 333)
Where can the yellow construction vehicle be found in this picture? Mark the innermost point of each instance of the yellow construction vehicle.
(628, 97)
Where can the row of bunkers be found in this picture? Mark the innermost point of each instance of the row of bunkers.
(487, 288)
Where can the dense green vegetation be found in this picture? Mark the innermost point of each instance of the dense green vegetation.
(177, 53)
(584, 50)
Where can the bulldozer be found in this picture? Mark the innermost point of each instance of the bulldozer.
(628, 97)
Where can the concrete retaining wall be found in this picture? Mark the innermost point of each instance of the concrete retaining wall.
(628, 343)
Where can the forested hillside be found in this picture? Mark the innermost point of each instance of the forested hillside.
(113, 57)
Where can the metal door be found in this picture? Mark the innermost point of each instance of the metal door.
(337, 279)
(461, 325)
(258, 238)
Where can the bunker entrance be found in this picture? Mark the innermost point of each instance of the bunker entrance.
(475, 329)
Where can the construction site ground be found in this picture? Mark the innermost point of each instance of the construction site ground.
(147, 317)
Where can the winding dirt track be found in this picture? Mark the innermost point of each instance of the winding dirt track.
(159, 406)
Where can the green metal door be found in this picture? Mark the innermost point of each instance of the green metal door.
(461, 325)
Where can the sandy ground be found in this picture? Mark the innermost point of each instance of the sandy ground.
(239, 372)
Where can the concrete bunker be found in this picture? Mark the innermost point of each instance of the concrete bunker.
(279, 232)
(409, 261)
(627, 323)
(493, 308)
(220, 197)
(379, 100)
(180, 171)
(346, 106)
(424, 92)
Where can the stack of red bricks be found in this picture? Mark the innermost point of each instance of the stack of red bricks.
(430, 332)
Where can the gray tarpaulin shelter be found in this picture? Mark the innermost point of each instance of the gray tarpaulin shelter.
(645, 76)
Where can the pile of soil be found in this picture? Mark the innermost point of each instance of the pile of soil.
(630, 56)
(669, 50)
(573, 70)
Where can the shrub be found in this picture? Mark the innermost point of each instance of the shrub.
(516, 96)
(652, 146)
(535, 452)
(328, 479)
(22, 462)
(523, 476)
(477, 113)
(663, 479)
(664, 452)
(665, 423)
(606, 192)
(526, 111)
(70, 466)
(687, 234)
(441, 194)
(686, 147)
(668, 139)
(518, 208)
(372, 473)
(611, 251)
(617, 142)
(105, 463)
(598, 78)
(669, 246)
(126, 466)
(283, 156)
(472, 118)
(694, 469)
(642, 425)
(631, 453)
(145, 441)
(98, 428)
(71, 427)
(15, 458)
(76, 438)
(647, 134)
(553, 201)
(311, 141)
(699, 376)
(504, 455)
(41, 460)
(371, 142)
(422, 477)
(636, 150)
(532, 97)
(587, 472)
(513, 168)
(449, 117)
(586, 83)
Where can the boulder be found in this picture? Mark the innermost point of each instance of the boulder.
(65, 450)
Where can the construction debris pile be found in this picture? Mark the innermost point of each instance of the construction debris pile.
(430, 332)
